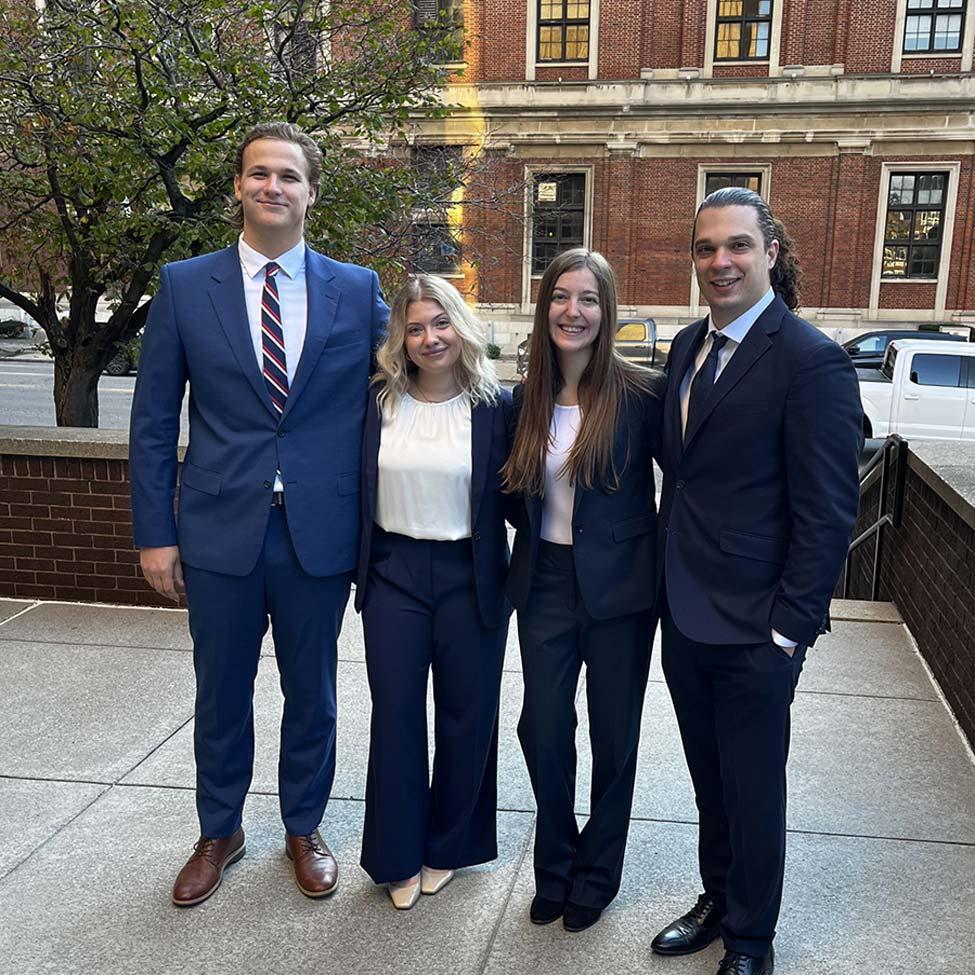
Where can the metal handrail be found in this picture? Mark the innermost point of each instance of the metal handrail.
(892, 455)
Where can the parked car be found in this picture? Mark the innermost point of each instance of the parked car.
(924, 390)
(867, 351)
(126, 357)
(636, 340)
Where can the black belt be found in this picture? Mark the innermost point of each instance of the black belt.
(277, 499)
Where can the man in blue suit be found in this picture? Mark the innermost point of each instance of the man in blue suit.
(275, 342)
(762, 433)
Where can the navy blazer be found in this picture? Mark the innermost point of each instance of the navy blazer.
(613, 532)
(491, 431)
(198, 332)
(761, 494)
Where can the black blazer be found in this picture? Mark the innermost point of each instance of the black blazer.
(491, 431)
(761, 493)
(613, 533)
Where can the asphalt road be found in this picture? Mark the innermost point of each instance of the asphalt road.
(27, 396)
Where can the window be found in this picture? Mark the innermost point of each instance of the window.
(934, 26)
(558, 216)
(936, 370)
(744, 28)
(435, 245)
(438, 13)
(718, 181)
(913, 229)
(563, 30)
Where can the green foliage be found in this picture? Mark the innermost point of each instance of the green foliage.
(118, 126)
(493, 351)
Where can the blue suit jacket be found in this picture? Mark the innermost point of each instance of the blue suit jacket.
(613, 532)
(198, 332)
(760, 497)
(491, 431)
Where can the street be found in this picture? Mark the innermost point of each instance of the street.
(27, 399)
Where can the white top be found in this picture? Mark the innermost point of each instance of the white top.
(559, 491)
(735, 332)
(424, 488)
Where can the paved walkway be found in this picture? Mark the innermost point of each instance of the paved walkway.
(96, 815)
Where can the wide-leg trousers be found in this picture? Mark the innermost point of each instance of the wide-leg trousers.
(421, 613)
(228, 617)
(557, 637)
(733, 709)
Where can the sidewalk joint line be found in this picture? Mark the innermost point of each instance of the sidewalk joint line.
(26, 609)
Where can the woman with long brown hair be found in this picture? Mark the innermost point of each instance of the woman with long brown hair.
(581, 577)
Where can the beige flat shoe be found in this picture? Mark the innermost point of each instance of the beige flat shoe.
(433, 881)
(404, 893)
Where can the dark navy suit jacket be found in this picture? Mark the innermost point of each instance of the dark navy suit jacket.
(761, 493)
(613, 532)
(198, 332)
(491, 430)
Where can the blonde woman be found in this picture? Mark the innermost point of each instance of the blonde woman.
(432, 562)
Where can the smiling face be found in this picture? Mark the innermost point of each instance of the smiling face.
(574, 313)
(274, 194)
(731, 261)
(430, 341)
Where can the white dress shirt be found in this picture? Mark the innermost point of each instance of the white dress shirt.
(292, 297)
(736, 332)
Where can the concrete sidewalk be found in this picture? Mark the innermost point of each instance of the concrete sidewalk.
(97, 815)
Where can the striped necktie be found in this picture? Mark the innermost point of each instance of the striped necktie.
(704, 378)
(272, 340)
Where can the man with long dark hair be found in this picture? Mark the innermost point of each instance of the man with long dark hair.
(762, 433)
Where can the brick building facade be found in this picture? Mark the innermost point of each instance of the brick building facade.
(606, 122)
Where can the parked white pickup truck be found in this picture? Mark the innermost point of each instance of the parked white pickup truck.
(922, 391)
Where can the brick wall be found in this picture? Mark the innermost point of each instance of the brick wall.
(66, 531)
(928, 570)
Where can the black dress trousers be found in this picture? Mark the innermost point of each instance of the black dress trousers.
(733, 709)
(557, 637)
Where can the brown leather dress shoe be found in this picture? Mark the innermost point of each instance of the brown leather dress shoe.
(315, 869)
(202, 873)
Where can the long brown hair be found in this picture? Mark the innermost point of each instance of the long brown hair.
(607, 379)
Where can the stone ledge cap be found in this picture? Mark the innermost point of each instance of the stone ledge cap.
(86, 442)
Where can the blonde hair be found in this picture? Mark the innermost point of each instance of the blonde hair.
(475, 371)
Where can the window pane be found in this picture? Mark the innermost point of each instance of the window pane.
(576, 43)
(930, 189)
(549, 43)
(757, 8)
(758, 45)
(936, 370)
(923, 262)
(898, 225)
(717, 181)
(901, 190)
(920, 4)
(729, 41)
(730, 8)
(577, 11)
(917, 33)
(927, 225)
(550, 10)
(895, 262)
(436, 249)
(947, 32)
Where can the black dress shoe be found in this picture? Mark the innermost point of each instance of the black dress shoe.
(735, 963)
(578, 918)
(693, 931)
(544, 911)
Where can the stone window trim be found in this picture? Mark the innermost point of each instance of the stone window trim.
(532, 64)
(923, 167)
(704, 170)
(531, 173)
(899, 55)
